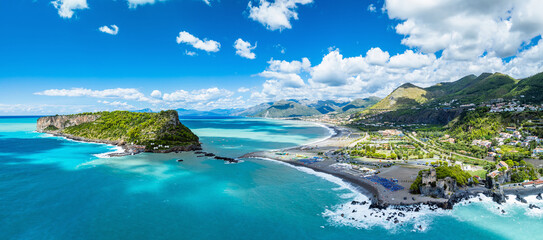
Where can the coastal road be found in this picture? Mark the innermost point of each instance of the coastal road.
(365, 138)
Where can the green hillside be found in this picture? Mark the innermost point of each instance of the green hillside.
(359, 104)
(531, 88)
(446, 88)
(441, 103)
(481, 89)
(469, 89)
(327, 106)
(285, 108)
(405, 96)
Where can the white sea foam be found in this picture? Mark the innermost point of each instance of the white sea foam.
(357, 213)
(511, 206)
(116, 149)
(362, 216)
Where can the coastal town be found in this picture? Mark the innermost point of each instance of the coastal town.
(406, 164)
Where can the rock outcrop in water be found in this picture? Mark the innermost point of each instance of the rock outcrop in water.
(135, 132)
(441, 188)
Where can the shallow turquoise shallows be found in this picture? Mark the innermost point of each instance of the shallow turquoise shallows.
(52, 188)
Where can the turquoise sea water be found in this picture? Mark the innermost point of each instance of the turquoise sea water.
(52, 188)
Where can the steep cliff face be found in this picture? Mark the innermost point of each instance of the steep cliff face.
(60, 122)
(495, 181)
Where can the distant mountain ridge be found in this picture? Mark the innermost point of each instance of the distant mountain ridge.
(303, 108)
(469, 89)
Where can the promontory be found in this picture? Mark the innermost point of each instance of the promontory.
(136, 132)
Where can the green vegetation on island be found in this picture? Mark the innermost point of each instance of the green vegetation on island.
(155, 131)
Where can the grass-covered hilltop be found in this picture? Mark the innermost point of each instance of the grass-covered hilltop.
(135, 131)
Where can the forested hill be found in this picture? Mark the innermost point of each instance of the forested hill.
(443, 102)
(470, 89)
(157, 132)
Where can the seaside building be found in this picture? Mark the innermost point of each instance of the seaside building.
(391, 132)
(449, 140)
(482, 143)
(533, 138)
(510, 129)
(537, 151)
(536, 183)
(503, 164)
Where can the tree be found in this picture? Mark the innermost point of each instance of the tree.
(510, 162)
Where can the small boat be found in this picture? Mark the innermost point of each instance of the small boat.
(179, 160)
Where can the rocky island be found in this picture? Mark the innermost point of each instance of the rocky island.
(136, 132)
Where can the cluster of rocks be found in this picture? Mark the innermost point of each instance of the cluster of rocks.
(207, 154)
(398, 213)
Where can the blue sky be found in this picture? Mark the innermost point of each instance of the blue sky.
(55, 59)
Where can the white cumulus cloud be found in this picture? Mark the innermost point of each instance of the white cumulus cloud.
(136, 3)
(124, 93)
(243, 89)
(201, 95)
(376, 56)
(376, 74)
(244, 49)
(410, 59)
(289, 67)
(190, 53)
(66, 7)
(156, 94)
(206, 45)
(276, 15)
(112, 29)
(118, 104)
(334, 70)
(372, 8)
(466, 29)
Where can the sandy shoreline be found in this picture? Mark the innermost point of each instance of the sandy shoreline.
(343, 136)
(380, 196)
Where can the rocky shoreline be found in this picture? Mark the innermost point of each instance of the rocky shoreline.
(129, 149)
(377, 201)
(366, 187)
(153, 132)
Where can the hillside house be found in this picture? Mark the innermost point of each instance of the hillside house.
(537, 151)
(482, 143)
(510, 129)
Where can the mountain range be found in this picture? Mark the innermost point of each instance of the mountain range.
(300, 108)
(467, 90)
(284, 109)
(440, 103)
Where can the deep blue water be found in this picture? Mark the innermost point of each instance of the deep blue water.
(52, 188)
